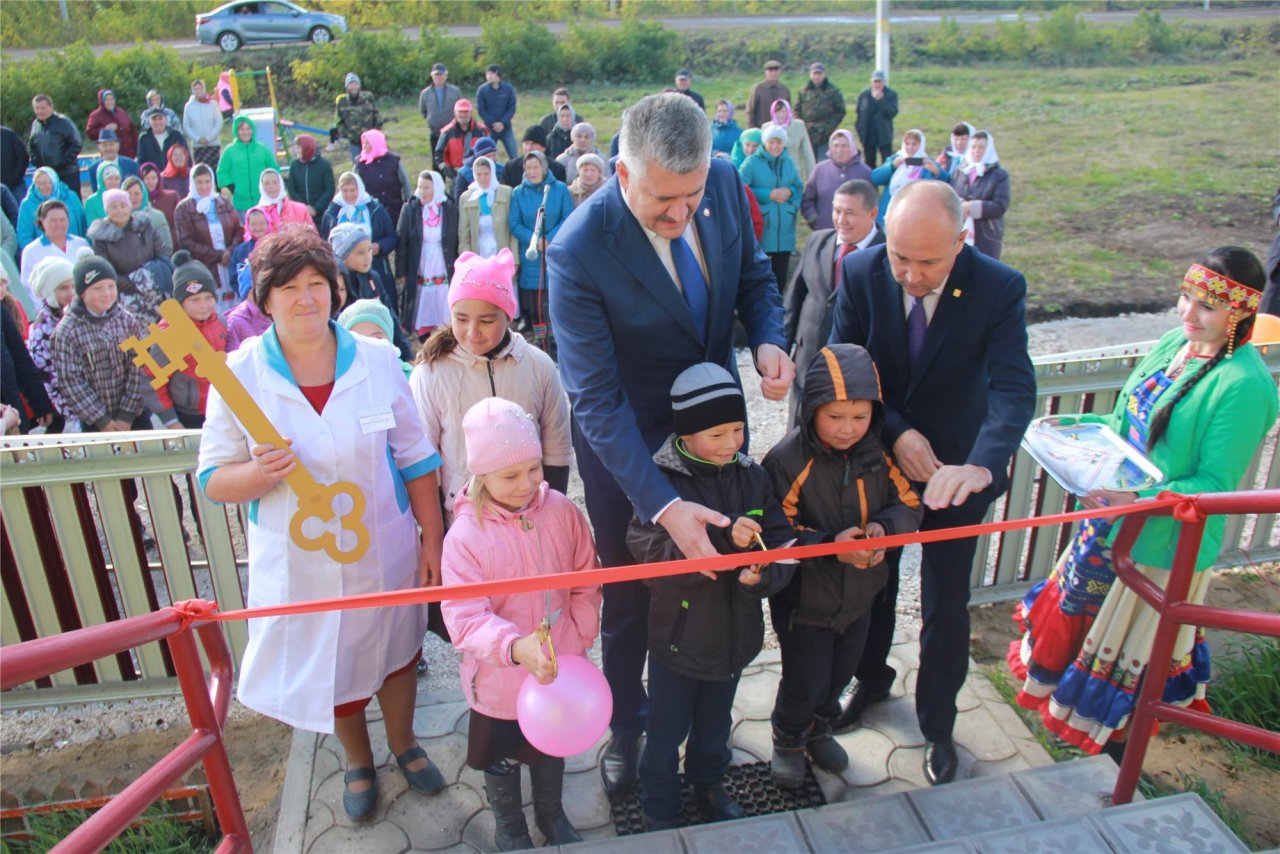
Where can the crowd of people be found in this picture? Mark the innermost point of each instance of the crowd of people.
(378, 322)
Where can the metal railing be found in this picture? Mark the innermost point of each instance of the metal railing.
(207, 706)
(1175, 611)
(75, 552)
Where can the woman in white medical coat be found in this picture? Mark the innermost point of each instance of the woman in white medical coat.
(343, 403)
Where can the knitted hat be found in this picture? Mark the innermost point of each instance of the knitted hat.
(499, 434)
(346, 237)
(110, 197)
(592, 159)
(484, 145)
(352, 77)
(191, 277)
(90, 269)
(535, 134)
(47, 275)
(705, 396)
(772, 131)
(368, 311)
(487, 279)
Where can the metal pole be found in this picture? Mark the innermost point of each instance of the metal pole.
(66, 16)
(882, 37)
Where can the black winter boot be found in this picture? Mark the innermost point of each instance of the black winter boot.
(787, 764)
(548, 808)
(510, 831)
(824, 751)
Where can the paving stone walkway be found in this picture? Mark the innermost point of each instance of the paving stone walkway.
(885, 758)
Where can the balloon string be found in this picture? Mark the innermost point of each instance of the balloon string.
(196, 610)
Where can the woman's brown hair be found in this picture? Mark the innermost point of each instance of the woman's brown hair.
(279, 257)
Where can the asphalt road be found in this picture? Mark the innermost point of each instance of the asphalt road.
(742, 22)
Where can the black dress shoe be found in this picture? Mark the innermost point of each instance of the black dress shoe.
(940, 762)
(619, 764)
(859, 698)
(716, 804)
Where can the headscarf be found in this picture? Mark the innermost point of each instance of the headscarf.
(728, 104)
(432, 208)
(205, 204)
(146, 197)
(173, 170)
(306, 147)
(739, 153)
(774, 110)
(102, 98)
(146, 168)
(54, 192)
(105, 169)
(486, 194)
(904, 175)
(546, 170)
(852, 145)
(267, 201)
(206, 97)
(989, 159)
(377, 142)
(358, 212)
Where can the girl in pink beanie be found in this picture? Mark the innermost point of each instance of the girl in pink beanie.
(477, 356)
(509, 524)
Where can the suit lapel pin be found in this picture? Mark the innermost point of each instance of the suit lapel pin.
(956, 292)
(706, 211)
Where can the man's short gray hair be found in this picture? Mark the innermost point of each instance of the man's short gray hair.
(669, 130)
(941, 194)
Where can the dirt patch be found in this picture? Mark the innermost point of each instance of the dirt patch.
(258, 748)
(1247, 788)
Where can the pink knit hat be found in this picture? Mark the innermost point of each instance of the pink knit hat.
(499, 434)
(486, 279)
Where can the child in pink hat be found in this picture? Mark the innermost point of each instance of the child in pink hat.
(478, 356)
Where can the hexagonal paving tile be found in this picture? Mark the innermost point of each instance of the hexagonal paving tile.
(438, 820)
(377, 836)
(436, 719)
(978, 731)
(584, 800)
(895, 719)
(756, 694)
(755, 737)
(869, 752)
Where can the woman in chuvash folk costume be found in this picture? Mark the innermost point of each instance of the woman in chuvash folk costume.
(1198, 406)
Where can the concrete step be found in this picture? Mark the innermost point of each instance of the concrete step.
(1063, 807)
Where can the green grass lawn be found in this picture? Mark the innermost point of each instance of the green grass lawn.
(1121, 176)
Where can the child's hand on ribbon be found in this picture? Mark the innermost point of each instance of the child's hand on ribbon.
(528, 653)
(744, 531)
(866, 558)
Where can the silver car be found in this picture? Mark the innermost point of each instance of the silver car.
(261, 21)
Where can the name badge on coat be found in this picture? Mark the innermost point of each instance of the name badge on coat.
(377, 420)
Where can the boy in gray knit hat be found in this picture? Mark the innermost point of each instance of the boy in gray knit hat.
(704, 627)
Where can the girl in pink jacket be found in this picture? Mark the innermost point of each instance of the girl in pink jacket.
(509, 524)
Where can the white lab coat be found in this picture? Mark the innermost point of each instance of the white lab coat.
(297, 668)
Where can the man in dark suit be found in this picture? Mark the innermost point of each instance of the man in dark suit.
(811, 298)
(646, 277)
(946, 326)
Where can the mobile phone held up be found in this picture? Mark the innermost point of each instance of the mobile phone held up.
(914, 161)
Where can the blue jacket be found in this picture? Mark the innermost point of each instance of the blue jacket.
(128, 167)
(724, 135)
(972, 391)
(525, 200)
(763, 173)
(883, 174)
(496, 105)
(624, 331)
(26, 225)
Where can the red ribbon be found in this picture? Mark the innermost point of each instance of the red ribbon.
(196, 610)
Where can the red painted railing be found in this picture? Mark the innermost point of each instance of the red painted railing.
(1175, 612)
(206, 707)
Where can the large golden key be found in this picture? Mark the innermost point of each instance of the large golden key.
(315, 500)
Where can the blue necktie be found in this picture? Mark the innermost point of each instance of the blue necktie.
(692, 282)
(917, 325)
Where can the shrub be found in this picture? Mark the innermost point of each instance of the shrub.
(527, 51)
(945, 41)
(637, 51)
(1013, 38)
(1148, 33)
(1064, 35)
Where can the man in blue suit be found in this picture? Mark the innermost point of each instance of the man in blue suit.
(646, 277)
(946, 326)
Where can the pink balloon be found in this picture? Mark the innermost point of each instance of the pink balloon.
(568, 716)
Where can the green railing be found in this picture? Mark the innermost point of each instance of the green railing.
(74, 551)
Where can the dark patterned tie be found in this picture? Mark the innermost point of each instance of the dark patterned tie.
(917, 325)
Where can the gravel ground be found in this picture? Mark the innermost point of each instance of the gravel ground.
(51, 727)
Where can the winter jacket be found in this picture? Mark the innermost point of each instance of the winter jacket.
(825, 491)
(128, 168)
(823, 110)
(127, 248)
(820, 189)
(409, 243)
(569, 160)
(550, 120)
(27, 227)
(762, 96)
(525, 201)
(13, 162)
(186, 392)
(558, 141)
(239, 267)
(311, 182)
(699, 627)
(241, 166)
(763, 173)
(513, 172)
(799, 149)
(875, 119)
(56, 144)
(456, 141)
(193, 235)
(20, 381)
(496, 103)
(988, 199)
(386, 181)
(384, 234)
(202, 120)
(549, 536)
(724, 135)
(446, 388)
(98, 380)
(438, 114)
(469, 221)
(356, 114)
(40, 346)
(245, 321)
(373, 285)
(287, 212)
(151, 150)
(125, 129)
